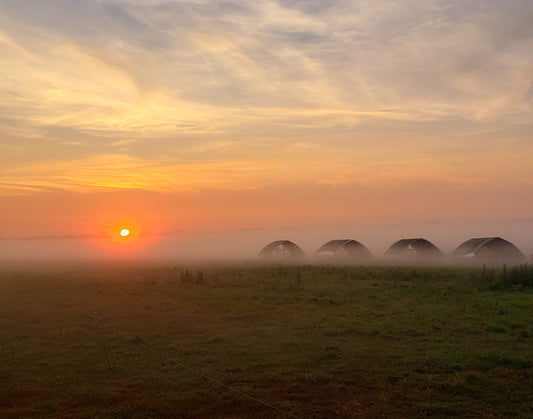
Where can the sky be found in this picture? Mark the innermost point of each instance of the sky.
(212, 115)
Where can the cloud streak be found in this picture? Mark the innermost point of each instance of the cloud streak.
(231, 93)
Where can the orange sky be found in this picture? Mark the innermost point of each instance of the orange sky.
(211, 115)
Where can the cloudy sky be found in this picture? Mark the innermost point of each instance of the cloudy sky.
(264, 114)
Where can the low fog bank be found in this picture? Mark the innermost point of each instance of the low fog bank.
(245, 244)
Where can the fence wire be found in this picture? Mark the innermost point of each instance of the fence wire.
(163, 357)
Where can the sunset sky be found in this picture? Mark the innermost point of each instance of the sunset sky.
(212, 115)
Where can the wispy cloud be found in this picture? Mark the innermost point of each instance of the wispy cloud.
(252, 83)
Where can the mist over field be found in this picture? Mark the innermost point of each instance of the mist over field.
(245, 244)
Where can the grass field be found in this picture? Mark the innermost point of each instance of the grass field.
(117, 341)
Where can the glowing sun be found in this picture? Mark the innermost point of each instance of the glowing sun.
(124, 232)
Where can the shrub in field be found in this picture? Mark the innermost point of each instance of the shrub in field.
(516, 275)
(507, 277)
(188, 277)
(487, 275)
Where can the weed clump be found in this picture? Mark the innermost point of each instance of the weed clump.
(514, 277)
(521, 275)
(189, 277)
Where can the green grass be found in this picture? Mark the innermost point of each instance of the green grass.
(313, 341)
